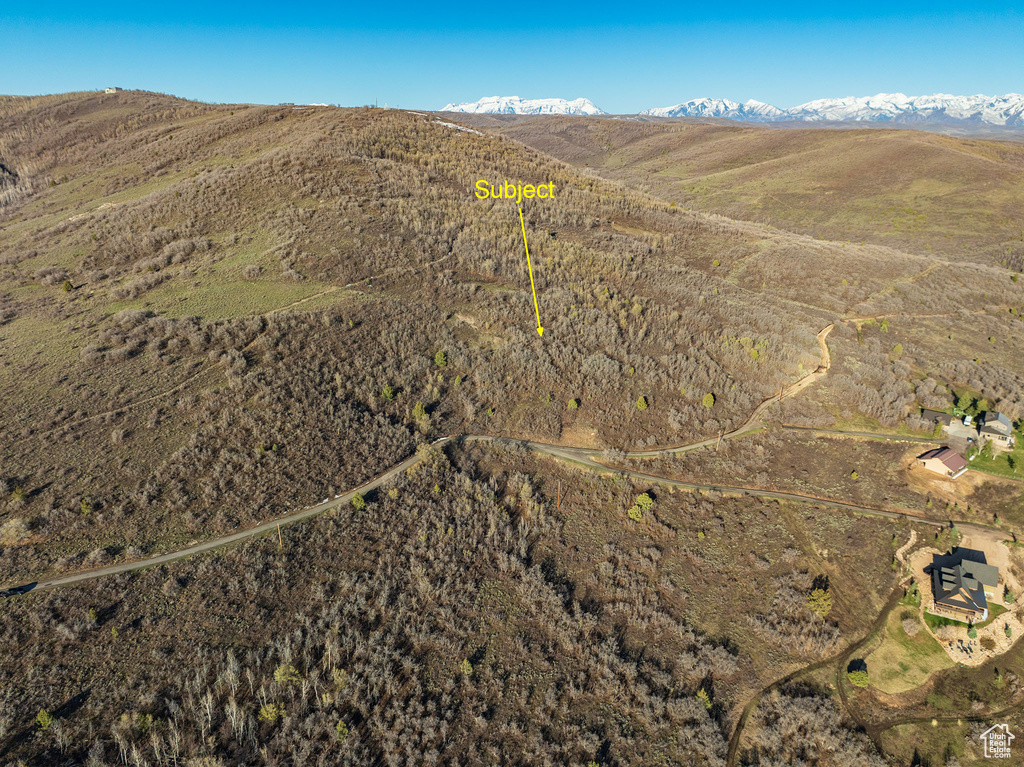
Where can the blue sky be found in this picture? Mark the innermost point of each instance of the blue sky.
(424, 55)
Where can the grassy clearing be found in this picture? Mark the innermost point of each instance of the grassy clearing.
(1007, 463)
(903, 662)
(221, 299)
(75, 196)
(927, 741)
(37, 344)
(256, 250)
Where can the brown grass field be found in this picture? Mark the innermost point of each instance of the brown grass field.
(926, 193)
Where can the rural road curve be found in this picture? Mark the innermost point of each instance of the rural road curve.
(241, 535)
(754, 420)
(734, 740)
(574, 454)
(583, 456)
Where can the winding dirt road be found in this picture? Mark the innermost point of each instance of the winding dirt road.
(754, 420)
(839, 657)
(579, 456)
(582, 456)
(241, 535)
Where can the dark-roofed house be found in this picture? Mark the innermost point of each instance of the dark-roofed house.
(933, 417)
(943, 461)
(998, 429)
(962, 586)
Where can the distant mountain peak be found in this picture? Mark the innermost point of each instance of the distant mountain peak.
(519, 106)
(707, 107)
(1005, 110)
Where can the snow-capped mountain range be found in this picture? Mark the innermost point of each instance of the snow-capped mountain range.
(885, 107)
(1005, 110)
(513, 105)
(751, 111)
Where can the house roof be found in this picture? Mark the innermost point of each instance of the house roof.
(962, 585)
(937, 416)
(950, 459)
(981, 572)
(997, 423)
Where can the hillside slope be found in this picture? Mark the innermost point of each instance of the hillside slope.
(247, 304)
(926, 193)
(257, 305)
(212, 314)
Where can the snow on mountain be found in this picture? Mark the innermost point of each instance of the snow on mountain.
(513, 105)
(938, 107)
(697, 108)
(732, 110)
(1005, 110)
(763, 110)
(944, 108)
(884, 106)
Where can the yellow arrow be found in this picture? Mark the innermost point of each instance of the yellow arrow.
(529, 267)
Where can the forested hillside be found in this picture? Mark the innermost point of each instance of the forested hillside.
(249, 306)
(211, 315)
